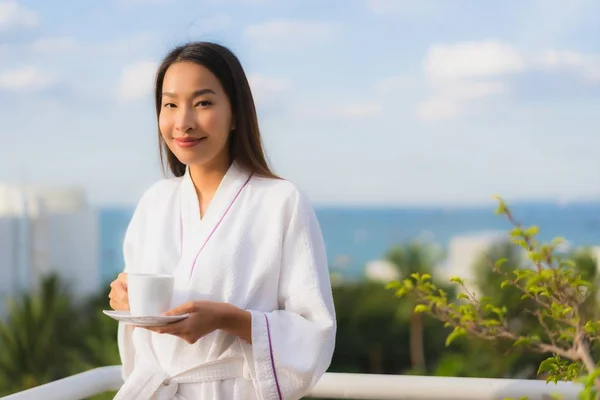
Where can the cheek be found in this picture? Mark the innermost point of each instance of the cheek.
(165, 126)
(217, 122)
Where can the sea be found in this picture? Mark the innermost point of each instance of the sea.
(356, 235)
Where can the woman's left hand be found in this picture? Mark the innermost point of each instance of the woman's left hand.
(204, 318)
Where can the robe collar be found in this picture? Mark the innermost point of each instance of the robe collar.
(232, 182)
(195, 232)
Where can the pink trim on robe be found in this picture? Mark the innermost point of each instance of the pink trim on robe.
(272, 358)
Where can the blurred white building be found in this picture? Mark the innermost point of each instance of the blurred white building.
(382, 271)
(464, 251)
(44, 230)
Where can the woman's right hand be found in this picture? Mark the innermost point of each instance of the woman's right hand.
(119, 299)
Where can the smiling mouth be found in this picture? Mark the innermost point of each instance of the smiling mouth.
(188, 142)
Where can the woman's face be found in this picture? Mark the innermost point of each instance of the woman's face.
(195, 119)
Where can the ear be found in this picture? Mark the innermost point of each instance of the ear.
(232, 128)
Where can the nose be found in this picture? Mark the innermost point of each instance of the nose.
(184, 120)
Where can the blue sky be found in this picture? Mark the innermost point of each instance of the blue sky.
(360, 101)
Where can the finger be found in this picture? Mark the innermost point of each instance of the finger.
(185, 308)
(117, 295)
(168, 329)
(115, 305)
(123, 296)
(123, 279)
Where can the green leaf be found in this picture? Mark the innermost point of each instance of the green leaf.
(516, 232)
(457, 332)
(547, 365)
(500, 262)
(532, 231)
(521, 340)
(521, 243)
(490, 322)
(462, 296)
(456, 279)
(505, 284)
(393, 285)
(420, 308)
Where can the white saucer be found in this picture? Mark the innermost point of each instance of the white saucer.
(150, 320)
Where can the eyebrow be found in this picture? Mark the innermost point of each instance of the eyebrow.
(197, 93)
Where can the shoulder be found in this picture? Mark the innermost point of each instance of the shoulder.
(281, 194)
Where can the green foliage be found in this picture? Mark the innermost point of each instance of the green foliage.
(556, 293)
(48, 335)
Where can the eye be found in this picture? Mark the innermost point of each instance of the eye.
(169, 105)
(203, 103)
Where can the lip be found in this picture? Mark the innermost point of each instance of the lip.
(188, 142)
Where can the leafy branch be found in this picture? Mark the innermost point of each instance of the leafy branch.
(550, 282)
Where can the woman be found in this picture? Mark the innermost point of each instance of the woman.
(243, 245)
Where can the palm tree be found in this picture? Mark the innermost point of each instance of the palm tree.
(100, 343)
(39, 337)
(410, 258)
(48, 335)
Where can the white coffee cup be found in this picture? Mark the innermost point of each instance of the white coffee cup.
(149, 294)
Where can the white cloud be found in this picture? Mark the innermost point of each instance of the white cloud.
(387, 7)
(216, 23)
(129, 46)
(367, 109)
(357, 110)
(266, 89)
(54, 44)
(438, 108)
(466, 71)
(561, 59)
(394, 83)
(382, 6)
(390, 6)
(586, 65)
(240, 2)
(471, 90)
(472, 60)
(137, 81)
(494, 58)
(450, 99)
(41, 45)
(14, 15)
(593, 73)
(142, 2)
(26, 78)
(462, 72)
(284, 34)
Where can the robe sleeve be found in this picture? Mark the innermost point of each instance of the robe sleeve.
(292, 347)
(130, 248)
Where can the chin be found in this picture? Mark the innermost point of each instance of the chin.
(193, 159)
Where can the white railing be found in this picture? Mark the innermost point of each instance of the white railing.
(337, 385)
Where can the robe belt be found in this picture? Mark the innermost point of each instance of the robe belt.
(151, 382)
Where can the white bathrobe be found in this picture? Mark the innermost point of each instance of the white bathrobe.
(260, 248)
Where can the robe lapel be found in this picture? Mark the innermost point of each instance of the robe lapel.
(196, 231)
(190, 213)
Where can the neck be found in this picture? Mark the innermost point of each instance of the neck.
(207, 178)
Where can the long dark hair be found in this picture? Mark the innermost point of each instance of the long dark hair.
(245, 146)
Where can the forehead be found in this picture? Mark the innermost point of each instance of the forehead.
(187, 77)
